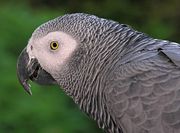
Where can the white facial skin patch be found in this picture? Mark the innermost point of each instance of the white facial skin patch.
(52, 60)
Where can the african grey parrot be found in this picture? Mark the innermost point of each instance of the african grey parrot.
(125, 80)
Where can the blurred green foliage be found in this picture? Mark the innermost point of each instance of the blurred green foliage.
(49, 110)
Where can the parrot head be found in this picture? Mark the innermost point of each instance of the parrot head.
(45, 56)
(62, 50)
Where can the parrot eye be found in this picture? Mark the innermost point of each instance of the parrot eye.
(54, 45)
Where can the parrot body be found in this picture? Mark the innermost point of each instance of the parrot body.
(125, 80)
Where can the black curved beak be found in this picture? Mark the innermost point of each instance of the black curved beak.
(30, 69)
(22, 71)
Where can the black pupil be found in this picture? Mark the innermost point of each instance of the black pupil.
(54, 45)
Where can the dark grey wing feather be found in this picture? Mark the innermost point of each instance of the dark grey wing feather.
(143, 91)
(173, 53)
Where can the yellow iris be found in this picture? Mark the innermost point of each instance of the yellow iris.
(54, 45)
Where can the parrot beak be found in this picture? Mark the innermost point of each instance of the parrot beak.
(22, 71)
(30, 69)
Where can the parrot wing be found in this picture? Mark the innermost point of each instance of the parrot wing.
(143, 93)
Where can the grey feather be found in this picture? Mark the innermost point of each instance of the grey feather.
(172, 51)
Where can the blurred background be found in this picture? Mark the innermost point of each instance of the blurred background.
(49, 110)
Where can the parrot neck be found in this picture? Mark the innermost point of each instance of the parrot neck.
(87, 73)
